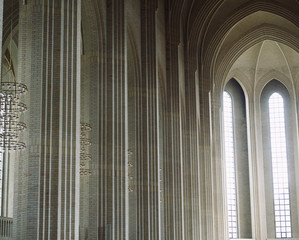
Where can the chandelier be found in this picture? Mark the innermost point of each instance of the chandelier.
(131, 187)
(84, 144)
(10, 105)
(10, 110)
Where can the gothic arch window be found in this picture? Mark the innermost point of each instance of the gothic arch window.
(279, 165)
(230, 165)
(280, 176)
(236, 161)
(278, 145)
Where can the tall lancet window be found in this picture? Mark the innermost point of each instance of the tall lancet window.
(229, 150)
(280, 176)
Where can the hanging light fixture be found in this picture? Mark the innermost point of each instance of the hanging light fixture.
(131, 187)
(84, 144)
(10, 110)
(10, 106)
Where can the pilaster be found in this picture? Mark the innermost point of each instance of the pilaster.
(148, 192)
(113, 191)
(173, 163)
(47, 173)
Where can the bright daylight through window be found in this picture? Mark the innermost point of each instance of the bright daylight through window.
(279, 167)
(230, 166)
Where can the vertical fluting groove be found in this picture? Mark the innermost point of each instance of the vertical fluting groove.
(108, 225)
(76, 115)
(140, 225)
(168, 164)
(192, 149)
(206, 166)
(72, 155)
(43, 181)
(65, 120)
(103, 146)
(61, 111)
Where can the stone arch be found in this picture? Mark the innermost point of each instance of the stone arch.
(134, 56)
(247, 41)
(215, 71)
(241, 78)
(282, 78)
(277, 82)
(240, 13)
(92, 26)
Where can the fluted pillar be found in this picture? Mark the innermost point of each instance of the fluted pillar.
(113, 177)
(173, 162)
(148, 194)
(47, 172)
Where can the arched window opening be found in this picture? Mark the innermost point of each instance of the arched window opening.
(280, 176)
(278, 145)
(230, 166)
(236, 161)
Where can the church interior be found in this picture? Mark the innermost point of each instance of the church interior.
(149, 119)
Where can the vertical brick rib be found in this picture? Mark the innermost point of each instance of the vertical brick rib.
(147, 161)
(174, 229)
(91, 78)
(114, 195)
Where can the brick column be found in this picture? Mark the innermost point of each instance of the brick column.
(112, 185)
(47, 173)
(147, 167)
